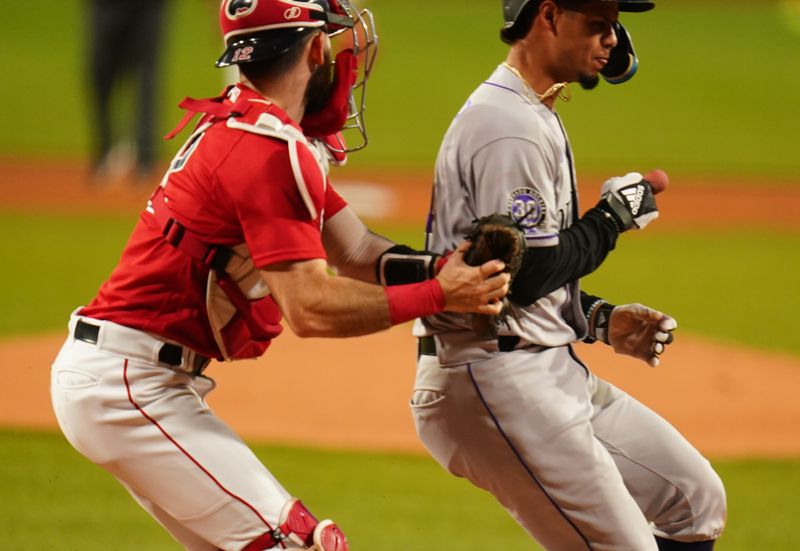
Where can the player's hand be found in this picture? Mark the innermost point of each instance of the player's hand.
(630, 199)
(477, 289)
(641, 332)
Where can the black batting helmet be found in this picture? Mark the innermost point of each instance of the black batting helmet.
(513, 8)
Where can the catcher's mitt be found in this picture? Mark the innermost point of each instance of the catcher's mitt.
(496, 236)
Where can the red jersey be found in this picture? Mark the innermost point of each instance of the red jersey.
(229, 185)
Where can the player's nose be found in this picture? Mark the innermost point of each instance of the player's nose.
(610, 39)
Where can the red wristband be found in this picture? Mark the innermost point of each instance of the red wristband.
(415, 300)
(441, 261)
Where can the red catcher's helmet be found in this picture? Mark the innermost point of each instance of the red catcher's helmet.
(261, 29)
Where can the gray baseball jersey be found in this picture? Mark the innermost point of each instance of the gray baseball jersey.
(577, 462)
(523, 168)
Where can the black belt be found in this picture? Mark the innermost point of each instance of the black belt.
(427, 345)
(170, 354)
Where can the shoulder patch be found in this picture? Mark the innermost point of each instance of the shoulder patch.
(527, 207)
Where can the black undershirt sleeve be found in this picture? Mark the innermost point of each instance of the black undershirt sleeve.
(581, 249)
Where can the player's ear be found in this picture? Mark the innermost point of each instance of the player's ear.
(317, 47)
(548, 11)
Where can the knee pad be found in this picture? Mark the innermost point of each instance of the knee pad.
(622, 63)
(300, 528)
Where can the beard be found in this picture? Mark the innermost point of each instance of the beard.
(588, 81)
(320, 87)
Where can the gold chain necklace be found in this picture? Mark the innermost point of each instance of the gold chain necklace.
(559, 89)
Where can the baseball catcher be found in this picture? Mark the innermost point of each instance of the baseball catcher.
(239, 237)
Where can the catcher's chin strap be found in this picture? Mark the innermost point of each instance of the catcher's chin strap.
(299, 527)
(215, 257)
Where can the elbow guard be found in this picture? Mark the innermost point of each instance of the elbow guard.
(401, 265)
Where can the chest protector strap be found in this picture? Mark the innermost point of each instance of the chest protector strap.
(261, 317)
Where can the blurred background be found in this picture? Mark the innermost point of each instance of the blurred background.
(715, 104)
(715, 92)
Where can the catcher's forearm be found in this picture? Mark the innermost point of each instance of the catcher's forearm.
(351, 247)
(359, 253)
(581, 249)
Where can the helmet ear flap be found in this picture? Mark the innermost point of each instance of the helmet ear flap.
(622, 62)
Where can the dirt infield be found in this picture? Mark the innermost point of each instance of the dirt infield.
(729, 400)
(688, 203)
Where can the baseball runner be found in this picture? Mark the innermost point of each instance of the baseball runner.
(578, 463)
(234, 238)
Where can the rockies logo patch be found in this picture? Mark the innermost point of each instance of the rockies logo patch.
(527, 207)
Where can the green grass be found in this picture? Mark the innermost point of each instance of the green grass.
(705, 98)
(59, 262)
(55, 499)
(762, 504)
(731, 289)
(715, 92)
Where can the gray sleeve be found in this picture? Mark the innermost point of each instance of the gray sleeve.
(513, 175)
(351, 247)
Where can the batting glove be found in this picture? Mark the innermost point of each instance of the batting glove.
(629, 200)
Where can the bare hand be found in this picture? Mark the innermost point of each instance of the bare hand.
(476, 289)
(641, 332)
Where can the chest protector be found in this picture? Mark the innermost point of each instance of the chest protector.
(243, 317)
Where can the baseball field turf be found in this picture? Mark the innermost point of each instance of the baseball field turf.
(714, 99)
(54, 499)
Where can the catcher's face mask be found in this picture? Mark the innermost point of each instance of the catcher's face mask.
(256, 30)
(354, 49)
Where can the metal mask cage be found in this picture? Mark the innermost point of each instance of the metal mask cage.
(365, 47)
